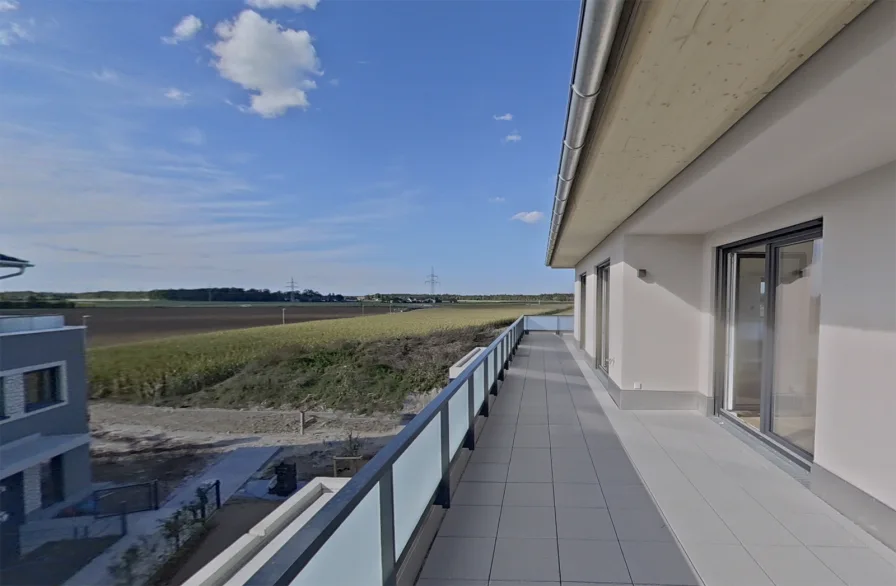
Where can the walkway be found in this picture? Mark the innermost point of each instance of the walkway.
(565, 487)
(233, 469)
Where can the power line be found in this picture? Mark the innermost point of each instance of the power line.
(292, 290)
(432, 279)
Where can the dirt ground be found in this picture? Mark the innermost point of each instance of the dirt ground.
(123, 325)
(233, 520)
(138, 443)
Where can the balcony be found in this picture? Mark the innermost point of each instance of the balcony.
(523, 470)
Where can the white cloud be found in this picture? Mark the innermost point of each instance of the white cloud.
(193, 136)
(528, 217)
(185, 30)
(118, 217)
(513, 137)
(14, 34)
(8, 5)
(293, 4)
(334, 82)
(497, 200)
(274, 62)
(507, 117)
(105, 75)
(177, 95)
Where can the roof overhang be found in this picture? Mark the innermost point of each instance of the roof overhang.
(681, 74)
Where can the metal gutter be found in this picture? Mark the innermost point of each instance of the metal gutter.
(597, 29)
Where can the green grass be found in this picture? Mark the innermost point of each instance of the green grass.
(346, 363)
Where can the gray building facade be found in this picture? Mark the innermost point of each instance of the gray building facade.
(44, 431)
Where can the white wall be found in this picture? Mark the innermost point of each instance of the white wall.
(661, 319)
(610, 249)
(857, 339)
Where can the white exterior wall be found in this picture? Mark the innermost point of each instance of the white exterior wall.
(590, 311)
(857, 338)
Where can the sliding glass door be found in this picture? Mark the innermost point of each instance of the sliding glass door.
(602, 352)
(769, 310)
(583, 297)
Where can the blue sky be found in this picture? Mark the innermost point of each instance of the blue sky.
(348, 144)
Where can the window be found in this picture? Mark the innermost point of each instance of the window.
(42, 388)
(51, 489)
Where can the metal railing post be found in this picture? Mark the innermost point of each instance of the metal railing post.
(443, 493)
(503, 363)
(124, 519)
(469, 438)
(558, 325)
(387, 528)
(217, 494)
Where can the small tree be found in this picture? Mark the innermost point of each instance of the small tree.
(173, 526)
(123, 571)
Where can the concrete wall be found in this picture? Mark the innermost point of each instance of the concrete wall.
(24, 350)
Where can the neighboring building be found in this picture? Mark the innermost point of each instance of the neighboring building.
(727, 198)
(44, 434)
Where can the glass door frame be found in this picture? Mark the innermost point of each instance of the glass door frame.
(602, 316)
(583, 297)
(772, 241)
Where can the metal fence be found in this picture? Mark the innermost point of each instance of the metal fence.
(548, 323)
(378, 513)
(129, 498)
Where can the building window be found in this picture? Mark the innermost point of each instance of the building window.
(42, 388)
(51, 489)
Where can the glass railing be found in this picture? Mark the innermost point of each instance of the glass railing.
(548, 323)
(360, 537)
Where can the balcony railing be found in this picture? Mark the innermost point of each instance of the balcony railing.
(363, 535)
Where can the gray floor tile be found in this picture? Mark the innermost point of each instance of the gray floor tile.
(592, 561)
(483, 455)
(857, 566)
(757, 528)
(640, 525)
(578, 495)
(726, 565)
(478, 493)
(485, 472)
(531, 436)
(567, 436)
(817, 529)
(496, 435)
(502, 417)
(792, 565)
(530, 465)
(518, 583)
(562, 417)
(525, 559)
(470, 521)
(429, 582)
(527, 522)
(529, 494)
(581, 523)
(539, 418)
(530, 406)
(627, 497)
(572, 465)
(657, 563)
(698, 524)
(466, 558)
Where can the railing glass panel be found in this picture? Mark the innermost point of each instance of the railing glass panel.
(352, 555)
(416, 474)
(458, 419)
(478, 385)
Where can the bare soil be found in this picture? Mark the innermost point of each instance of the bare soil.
(123, 325)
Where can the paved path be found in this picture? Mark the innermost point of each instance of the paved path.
(563, 487)
(233, 469)
(550, 494)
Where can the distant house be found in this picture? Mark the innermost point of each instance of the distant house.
(44, 434)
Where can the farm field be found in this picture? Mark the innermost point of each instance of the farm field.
(137, 322)
(363, 363)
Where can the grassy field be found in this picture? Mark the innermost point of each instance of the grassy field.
(359, 364)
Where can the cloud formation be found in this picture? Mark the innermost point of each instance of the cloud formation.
(263, 57)
(177, 95)
(496, 200)
(185, 30)
(293, 4)
(513, 137)
(193, 136)
(506, 117)
(528, 217)
(8, 5)
(14, 34)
